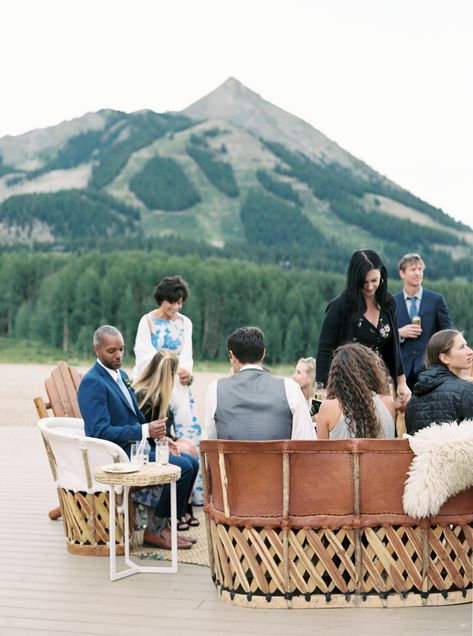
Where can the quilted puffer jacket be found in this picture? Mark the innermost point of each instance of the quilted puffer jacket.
(439, 396)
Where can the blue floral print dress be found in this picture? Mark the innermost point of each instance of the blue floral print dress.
(155, 334)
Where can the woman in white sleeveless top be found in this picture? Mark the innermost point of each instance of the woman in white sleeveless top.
(358, 402)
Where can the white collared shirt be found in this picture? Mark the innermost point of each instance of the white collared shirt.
(417, 295)
(302, 425)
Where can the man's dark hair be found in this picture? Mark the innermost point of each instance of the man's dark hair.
(247, 344)
(172, 289)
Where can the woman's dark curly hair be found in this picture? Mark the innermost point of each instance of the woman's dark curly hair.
(356, 372)
(172, 289)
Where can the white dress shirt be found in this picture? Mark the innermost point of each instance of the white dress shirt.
(302, 425)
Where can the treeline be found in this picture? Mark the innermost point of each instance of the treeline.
(219, 173)
(131, 133)
(71, 213)
(78, 149)
(61, 299)
(164, 185)
(271, 222)
(277, 187)
(341, 189)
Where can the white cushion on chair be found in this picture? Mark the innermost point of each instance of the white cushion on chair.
(72, 452)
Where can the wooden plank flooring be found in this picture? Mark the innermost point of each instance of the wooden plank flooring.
(46, 590)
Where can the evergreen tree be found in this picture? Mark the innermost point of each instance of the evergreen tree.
(293, 347)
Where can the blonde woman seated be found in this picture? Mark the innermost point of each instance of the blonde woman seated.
(358, 403)
(153, 390)
(304, 375)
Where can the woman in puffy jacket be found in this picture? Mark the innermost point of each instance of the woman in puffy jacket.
(440, 394)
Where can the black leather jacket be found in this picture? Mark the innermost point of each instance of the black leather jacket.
(439, 396)
(339, 327)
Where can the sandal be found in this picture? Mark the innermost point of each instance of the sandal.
(182, 524)
(189, 518)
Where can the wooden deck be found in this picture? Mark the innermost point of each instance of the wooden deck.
(46, 590)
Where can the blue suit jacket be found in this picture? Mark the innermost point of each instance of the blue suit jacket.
(106, 412)
(434, 315)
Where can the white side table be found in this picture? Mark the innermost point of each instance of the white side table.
(151, 474)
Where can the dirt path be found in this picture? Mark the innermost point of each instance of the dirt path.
(20, 383)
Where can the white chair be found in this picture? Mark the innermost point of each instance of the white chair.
(84, 502)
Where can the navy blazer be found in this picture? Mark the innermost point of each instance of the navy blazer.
(105, 409)
(434, 315)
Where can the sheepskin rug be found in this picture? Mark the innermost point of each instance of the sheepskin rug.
(441, 468)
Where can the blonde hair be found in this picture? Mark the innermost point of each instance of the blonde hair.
(410, 259)
(310, 366)
(157, 380)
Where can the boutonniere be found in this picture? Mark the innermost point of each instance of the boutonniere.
(129, 383)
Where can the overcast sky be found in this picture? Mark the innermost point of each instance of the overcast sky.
(391, 81)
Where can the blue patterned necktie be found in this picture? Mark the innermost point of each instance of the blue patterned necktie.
(413, 308)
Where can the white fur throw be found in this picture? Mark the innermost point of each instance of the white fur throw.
(441, 468)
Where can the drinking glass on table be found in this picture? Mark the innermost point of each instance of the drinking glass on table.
(162, 451)
(136, 454)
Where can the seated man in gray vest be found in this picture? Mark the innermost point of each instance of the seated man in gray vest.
(252, 404)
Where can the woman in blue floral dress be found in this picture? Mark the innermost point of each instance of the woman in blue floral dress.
(167, 328)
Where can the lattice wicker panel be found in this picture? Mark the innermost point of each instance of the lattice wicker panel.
(392, 559)
(252, 560)
(381, 561)
(451, 557)
(86, 518)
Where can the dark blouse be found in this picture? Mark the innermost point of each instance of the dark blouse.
(342, 325)
(377, 338)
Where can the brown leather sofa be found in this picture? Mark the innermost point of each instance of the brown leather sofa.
(321, 524)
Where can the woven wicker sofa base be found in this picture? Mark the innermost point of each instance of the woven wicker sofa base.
(86, 523)
(370, 567)
(337, 601)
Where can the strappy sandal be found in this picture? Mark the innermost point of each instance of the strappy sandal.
(189, 518)
(182, 524)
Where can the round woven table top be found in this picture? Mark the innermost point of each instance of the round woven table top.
(150, 474)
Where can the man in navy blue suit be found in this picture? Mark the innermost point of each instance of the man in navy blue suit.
(110, 411)
(420, 314)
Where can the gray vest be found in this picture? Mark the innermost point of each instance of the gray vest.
(252, 405)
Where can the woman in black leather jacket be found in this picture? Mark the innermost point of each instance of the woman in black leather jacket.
(440, 394)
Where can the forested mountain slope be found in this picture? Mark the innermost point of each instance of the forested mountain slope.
(232, 175)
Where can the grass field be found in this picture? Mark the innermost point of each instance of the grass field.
(14, 351)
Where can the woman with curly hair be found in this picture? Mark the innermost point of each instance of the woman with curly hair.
(358, 403)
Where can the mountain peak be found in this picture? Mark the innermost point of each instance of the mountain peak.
(234, 87)
(227, 98)
(232, 101)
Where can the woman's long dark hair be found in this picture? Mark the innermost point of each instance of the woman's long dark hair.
(355, 374)
(360, 264)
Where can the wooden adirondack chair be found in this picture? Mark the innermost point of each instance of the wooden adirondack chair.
(61, 389)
